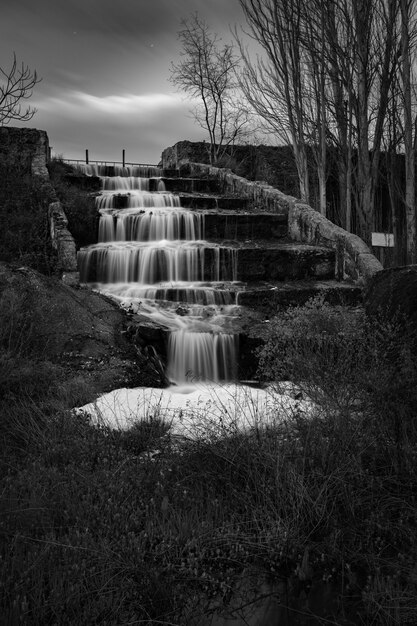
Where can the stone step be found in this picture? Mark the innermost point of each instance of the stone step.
(244, 226)
(93, 183)
(185, 185)
(269, 297)
(264, 260)
(246, 262)
(171, 173)
(193, 202)
(221, 203)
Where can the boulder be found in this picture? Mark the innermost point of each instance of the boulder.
(392, 294)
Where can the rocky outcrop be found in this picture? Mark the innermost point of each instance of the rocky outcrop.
(83, 332)
(63, 243)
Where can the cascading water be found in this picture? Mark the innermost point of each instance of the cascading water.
(151, 255)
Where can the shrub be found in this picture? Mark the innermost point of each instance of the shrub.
(343, 361)
(24, 235)
(109, 527)
(317, 346)
(79, 205)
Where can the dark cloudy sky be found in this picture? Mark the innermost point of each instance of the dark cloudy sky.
(105, 67)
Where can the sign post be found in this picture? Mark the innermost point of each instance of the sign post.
(383, 240)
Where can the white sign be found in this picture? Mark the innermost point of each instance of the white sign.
(384, 240)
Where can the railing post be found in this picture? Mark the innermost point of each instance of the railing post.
(123, 157)
(86, 157)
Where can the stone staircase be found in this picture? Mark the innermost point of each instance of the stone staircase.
(275, 270)
(247, 254)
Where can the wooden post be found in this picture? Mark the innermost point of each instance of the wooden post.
(123, 157)
(86, 157)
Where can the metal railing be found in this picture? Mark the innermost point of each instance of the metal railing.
(109, 163)
(123, 162)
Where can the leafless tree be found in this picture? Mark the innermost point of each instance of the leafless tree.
(207, 73)
(16, 85)
(324, 75)
(274, 84)
(407, 50)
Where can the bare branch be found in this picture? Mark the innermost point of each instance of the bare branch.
(16, 85)
(207, 72)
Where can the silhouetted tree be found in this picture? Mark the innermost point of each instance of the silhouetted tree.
(275, 83)
(16, 85)
(407, 25)
(207, 73)
(324, 76)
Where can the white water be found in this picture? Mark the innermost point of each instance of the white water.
(200, 410)
(152, 224)
(139, 171)
(152, 257)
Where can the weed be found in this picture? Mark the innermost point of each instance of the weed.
(97, 528)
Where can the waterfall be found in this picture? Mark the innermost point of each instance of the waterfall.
(201, 356)
(152, 256)
(150, 225)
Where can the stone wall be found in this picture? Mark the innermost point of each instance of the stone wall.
(184, 152)
(354, 260)
(261, 195)
(353, 257)
(25, 149)
(63, 243)
(273, 164)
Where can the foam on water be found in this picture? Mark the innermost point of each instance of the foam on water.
(198, 410)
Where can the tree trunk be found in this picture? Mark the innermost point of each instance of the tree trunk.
(301, 162)
(410, 211)
(322, 190)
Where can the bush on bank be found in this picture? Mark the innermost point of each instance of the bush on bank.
(24, 232)
(105, 527)
(78, 204)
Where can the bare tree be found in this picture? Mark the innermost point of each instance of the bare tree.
(207, 73)
(16, 85)
(324, 76)
(410, 200)
(317, 104)
(274, 84)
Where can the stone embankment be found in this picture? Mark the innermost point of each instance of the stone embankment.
(354, 259)
(26, 150)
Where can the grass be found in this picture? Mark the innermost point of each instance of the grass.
(97, 529)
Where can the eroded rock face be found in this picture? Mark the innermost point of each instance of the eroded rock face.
(78, 329)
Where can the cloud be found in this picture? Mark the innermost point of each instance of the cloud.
(144, 124)
(132, 103)
(105, 68)
(82, 105)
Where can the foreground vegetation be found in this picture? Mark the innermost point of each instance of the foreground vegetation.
(100, 526)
